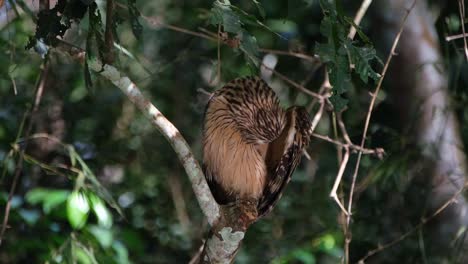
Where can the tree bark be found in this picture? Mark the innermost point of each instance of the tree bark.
(419, 91)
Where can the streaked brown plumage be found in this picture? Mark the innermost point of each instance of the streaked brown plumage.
(251, 145)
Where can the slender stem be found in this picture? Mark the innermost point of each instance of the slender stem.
(19, 164)
(109, 36)
(202, 192)
(461, 9)
(359, 15)
(369, 114)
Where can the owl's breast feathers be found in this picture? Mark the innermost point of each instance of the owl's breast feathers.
(250, 145)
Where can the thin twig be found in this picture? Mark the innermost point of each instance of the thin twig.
(158, 23)
(19, 164)
(109, 36)
(369, 113)
(461, 9)
(296, 85)
(219, 54)
(314, 59)
(333, 194)
(423, 221)
(359, 15)
(341, 125)
(208, 35)
(454, 37)
(317, 116)
(176, 191)
(378, 151)
(202, 192)
(216, 38)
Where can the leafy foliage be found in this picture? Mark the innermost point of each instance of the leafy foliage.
(112, 190)
(233, 20)
(341, 54)
(55, 22)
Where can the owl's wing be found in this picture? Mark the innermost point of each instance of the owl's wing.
(283, 156)
(278, 178)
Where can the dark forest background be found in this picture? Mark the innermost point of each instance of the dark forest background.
(86, 178)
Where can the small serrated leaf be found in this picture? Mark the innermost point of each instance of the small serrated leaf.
(338, 102)
(361, 57)
(358, 30)
(340, 79)
(222, 14)
(326, 52)
(326, 27)
(250, 47)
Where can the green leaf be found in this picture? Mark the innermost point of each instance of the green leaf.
(102, 213)
(247, 18)
(339, 103)
(104, 236)
(358, 30)
(250, 47)
(77, 209)
(361, 58)
(326, 27)
(328, 8)
(78, 93)
(326, 52)
(95, 38)
(339, 52)
(87, 76)
(95, 184)
(340, 77)
(81, 254)
(222, 14)
(260, 8)
(49, 198)
(121, 251)
(304, 256)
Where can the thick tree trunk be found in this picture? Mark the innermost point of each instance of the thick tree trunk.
(419, 91)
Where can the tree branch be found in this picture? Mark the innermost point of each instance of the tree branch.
(19, 163)
(368, 117)
(207, 203)
(359, 15)
(109, 36)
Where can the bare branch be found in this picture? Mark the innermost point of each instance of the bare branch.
(296, 85)
(368, 117)
(378, 151)
(372, 103)
(461, 9)
(454, 37)
(313, 59)
(317, 116)
(333, 194)
(19, 162)
(423, 221)
(109, 36)
(207, 203)
(359, 15)
(219, 55)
